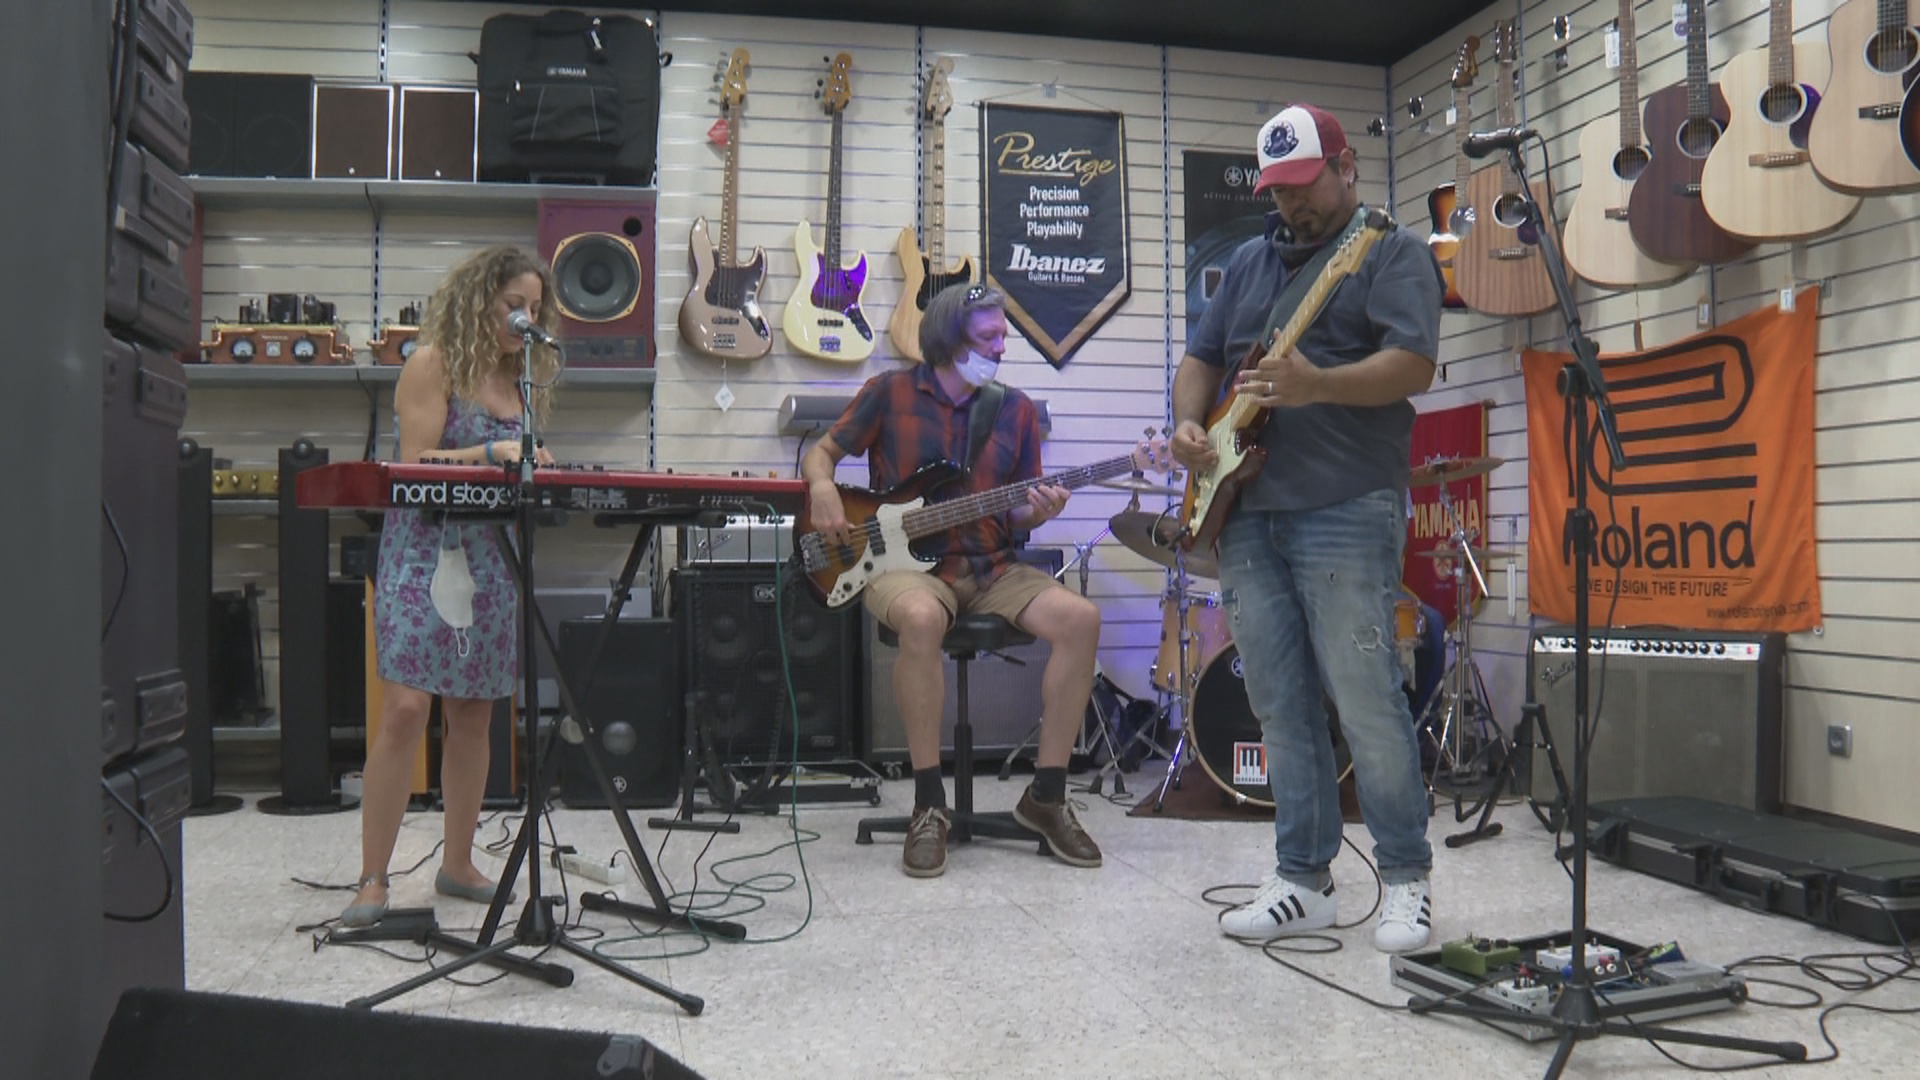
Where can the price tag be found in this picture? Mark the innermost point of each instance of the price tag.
(1786, 298)
(1679, 20)
(1453, 116)
(1703, 315)
(724, 398)
(1613, 48)
(717, 134)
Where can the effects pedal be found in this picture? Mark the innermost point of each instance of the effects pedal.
(1602, 960)
(1477, 956)
(1524, 991)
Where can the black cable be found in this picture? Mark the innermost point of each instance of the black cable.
(355, 887)
(152, 834)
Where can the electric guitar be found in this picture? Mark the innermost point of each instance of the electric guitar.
(823, 316)
(1612, 159)
(1496, 270)
(925, 274)
(1684, 120)
(1234, 426)
(1759, 182)
(721, 314)
(1856, 135)
(1451, 219)
(886, 524)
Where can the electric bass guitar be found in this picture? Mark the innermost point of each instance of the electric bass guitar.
(1451, 219)
(926, 273)
(1684, 121)
(1497, 270)
(721, 314)
(886, 524)
(1759, 182)
(823, 316)
(1855, 140)
(1234, 426)
(1613, 157)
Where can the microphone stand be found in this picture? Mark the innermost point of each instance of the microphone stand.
(1577, 1012)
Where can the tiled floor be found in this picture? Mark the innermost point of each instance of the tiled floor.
(1009, 966)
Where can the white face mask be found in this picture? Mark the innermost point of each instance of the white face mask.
(452, 588)
(976, 369)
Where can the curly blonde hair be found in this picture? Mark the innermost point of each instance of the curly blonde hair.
(459, 322)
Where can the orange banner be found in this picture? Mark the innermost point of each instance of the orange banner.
(1710, 525)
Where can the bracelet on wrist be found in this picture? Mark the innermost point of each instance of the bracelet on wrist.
(489, 449)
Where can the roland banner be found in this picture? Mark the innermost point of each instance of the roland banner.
(1710, 527)
(1054, 219)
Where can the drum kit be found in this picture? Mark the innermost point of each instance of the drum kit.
(1199, 671)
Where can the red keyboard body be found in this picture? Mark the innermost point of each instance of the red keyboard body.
(490, 489)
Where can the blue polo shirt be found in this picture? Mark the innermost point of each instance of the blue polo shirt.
(1321, 454)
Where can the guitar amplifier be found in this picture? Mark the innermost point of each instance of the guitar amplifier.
(1675, 712)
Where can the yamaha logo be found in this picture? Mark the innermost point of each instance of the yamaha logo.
(566, 71)
(1237, 176)
(1281, 140)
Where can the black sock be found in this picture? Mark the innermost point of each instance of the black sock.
(1050, 785)
(928, 792)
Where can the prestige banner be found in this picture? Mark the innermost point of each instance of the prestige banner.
(1054, 206)
(1710, 527)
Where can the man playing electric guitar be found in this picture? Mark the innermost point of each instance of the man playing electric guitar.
(908, 419)
(1310, 556)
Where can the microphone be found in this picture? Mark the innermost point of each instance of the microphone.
(521, 324)
(1481, 143)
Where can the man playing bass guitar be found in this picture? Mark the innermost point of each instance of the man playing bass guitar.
(1310, 555)
(904, 421)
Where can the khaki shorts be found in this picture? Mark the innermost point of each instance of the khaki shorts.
(1007, 597)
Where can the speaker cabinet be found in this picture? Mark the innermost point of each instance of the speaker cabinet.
(1686, 713)
(732, 646)
(1003, 700)
(633, 699)
(250, 125)
(181, 1035)
(352, 131)
(602, 254)
(437, 133)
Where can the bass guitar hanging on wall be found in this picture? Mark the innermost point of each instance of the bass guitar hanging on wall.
(823, 316)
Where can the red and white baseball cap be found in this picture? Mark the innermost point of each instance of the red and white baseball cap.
(1296, 144)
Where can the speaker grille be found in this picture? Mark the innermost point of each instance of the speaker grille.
(1679, 713)
(596, 277)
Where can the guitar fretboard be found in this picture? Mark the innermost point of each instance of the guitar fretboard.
(1699, 104)
(1629, 80)
(1462, 120)
(730, 191)
(1780, 43)
(936, 215)
(939, 517)
(1505, 104)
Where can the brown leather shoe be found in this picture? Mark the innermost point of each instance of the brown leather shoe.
(1057, 825)
(925, 852)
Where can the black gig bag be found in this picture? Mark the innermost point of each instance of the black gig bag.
(567, 97)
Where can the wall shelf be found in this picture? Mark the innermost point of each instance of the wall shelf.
(385, 196)
(268, 376)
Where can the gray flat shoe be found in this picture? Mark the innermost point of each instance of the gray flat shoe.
(479, 894)
(360, 916)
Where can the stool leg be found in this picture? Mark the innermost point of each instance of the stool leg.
(962, 755)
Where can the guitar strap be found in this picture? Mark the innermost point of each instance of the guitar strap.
(1296, 289)
(986, 409)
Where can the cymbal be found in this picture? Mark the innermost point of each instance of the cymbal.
(1447, 470)
(1151, 535)
(1480, 554)
(1139, 485)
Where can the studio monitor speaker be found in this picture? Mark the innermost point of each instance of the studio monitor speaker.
(737, 670)
(248, 124)
(602, 254)
(633, 699)
(179, 1035)
(1683, 713)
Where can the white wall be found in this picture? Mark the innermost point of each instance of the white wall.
(1863, 666)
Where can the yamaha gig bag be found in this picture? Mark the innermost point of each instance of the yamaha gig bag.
(568, 97)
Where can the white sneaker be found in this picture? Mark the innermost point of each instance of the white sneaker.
(1280, 909)
(1406, 917)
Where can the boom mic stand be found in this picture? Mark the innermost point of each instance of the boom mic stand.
(1577, 1012)
(537, 928)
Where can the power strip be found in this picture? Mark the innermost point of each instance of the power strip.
(606, 873)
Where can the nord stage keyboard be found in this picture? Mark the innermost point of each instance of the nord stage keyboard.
(494, 489)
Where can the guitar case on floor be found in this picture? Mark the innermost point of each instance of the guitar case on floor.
(1861, 885)
(567, 97)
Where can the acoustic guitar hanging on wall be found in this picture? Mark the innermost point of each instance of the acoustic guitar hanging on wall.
(1499, 270)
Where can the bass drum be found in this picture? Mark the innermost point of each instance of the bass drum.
(1226, 737)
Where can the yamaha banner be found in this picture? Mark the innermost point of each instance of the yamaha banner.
(1222, 213)
(1054, 215)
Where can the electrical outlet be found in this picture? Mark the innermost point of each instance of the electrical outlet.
(1840, 740)
(606, 873)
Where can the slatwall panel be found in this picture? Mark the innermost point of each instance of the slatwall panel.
(1863, 668)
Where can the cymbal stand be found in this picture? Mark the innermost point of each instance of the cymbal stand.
(1083, 745)
(1461, 701)
(1183, 693)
